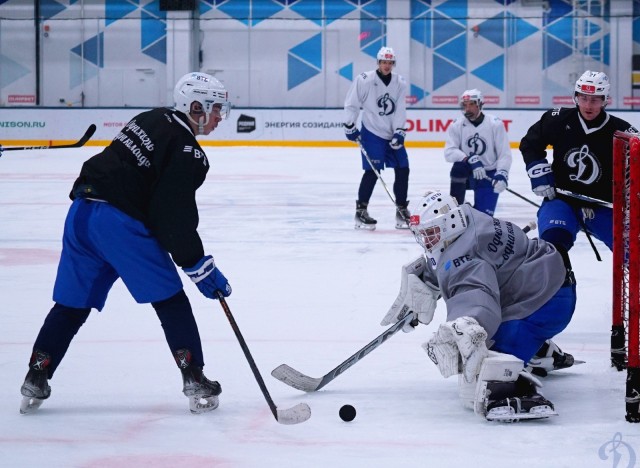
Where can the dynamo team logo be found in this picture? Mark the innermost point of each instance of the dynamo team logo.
(477, 145)
(587, 169)
(386, 105)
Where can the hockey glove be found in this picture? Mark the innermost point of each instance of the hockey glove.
(352, 132)
(415, 297)
(477, 167)
(397, 140)
(468, 337)
(208, 278)
(541, 176)
(500, 181)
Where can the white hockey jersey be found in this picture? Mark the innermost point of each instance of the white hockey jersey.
(384, 108)
(488, 140)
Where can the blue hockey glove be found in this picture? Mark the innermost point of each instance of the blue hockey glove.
(352, 132)
(499, 182)
(477, 167)
(398, 139)
(208, 278)
(541, 176)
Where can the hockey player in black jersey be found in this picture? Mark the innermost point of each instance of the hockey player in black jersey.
(134, 217)
(581, 166)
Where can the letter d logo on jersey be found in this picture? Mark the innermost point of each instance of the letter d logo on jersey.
(386, 104)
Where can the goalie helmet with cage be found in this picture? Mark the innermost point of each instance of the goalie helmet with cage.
(204, 89)
(436, 223)
(386, 53)
(593, 83)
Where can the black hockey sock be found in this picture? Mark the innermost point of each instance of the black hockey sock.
(59, 327)
(367, 184)
(459, 177)
(179, 325)
(401, 185)
(560, 238)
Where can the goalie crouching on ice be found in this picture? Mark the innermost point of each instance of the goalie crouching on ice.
(506, 297)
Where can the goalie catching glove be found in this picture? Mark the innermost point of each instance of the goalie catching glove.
(415, 297)
(458, 345)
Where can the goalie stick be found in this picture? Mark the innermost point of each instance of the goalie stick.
(294, 415)
(81, 142)
(296, 379)
(289, 376)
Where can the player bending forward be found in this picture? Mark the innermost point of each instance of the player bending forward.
(506, 296)
(134, 216)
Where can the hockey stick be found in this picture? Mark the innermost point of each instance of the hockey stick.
(289, 376)
(294, 415)
(81, 142)
(377, 173)
(296, 379)
(513, 192)
(584, 198)
(522, 197)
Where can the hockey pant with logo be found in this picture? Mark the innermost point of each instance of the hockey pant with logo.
(100, 245)
(558, 223)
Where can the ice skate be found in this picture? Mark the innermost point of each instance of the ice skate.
(35, 388)
(514, 409)
(549, 358)
(514, 401)
(201, 392)
(402, 216)
(362, 218)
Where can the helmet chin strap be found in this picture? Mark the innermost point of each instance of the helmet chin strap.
(200, 122)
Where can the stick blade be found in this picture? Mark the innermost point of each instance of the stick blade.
(89, 133)
(293, 378)
(294, 415)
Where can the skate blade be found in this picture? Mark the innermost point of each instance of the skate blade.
(366, 227)
(30, 404)
(199, 405)
(509, 415)
(402, 225)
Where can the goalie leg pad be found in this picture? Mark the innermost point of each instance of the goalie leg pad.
(498, 373)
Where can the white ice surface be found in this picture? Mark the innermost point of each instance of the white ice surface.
(308, 290)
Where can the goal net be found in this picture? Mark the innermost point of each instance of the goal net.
(625, 332)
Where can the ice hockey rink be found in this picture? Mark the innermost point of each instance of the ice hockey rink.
(309, 291)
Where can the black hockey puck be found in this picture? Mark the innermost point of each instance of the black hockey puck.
(347, 413)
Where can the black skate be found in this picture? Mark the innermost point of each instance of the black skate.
(549, 358)
(516, 408)
(362, 218)
(35, 388)
(402, 216)
(201, 392)
(512, 401)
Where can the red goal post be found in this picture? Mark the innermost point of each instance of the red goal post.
(625, 330)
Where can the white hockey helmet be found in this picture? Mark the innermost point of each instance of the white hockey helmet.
(593, 83)
(474, 95)
(202, 88)
(436, 223)
(386, 53)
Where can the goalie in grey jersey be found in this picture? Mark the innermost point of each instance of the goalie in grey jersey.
(506, 296)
